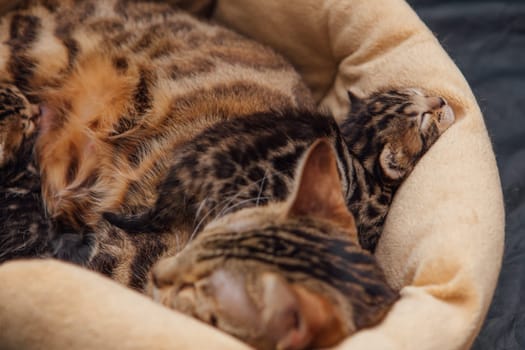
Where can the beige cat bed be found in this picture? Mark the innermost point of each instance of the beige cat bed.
(443, 239)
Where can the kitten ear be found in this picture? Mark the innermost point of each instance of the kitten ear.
(318, 191)
(393, 162)
(295, 318)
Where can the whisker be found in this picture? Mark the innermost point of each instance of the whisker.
(200, 208)
(261, 187)
(226, 204)
(239, 193)
(201, 221)
(244, 201)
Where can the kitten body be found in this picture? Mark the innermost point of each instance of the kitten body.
(123, 84)
(177, 125)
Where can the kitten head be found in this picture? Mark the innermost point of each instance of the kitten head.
(390, 131)
(287, 275)
(17, 122)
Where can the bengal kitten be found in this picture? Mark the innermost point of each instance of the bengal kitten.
(132, 91)
(123, 84)
(279, 264)
(285, 275)
(252, 161)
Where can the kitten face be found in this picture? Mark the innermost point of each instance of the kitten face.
(404, 124)
(17, 122)
(288, 275)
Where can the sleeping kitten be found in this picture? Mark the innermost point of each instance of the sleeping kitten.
(300, 257)
(387, 133)
(140, 98)
(123, 84)
(285, 275)
(251, 161)
(279, 263)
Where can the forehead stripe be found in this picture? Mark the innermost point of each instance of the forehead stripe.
(328, 259)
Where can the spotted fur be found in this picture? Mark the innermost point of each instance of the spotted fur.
(289, 274)
(121, 84)
(170, 125)
(252, 160)
(387, 133)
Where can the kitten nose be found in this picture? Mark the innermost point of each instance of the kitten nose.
(436, 102)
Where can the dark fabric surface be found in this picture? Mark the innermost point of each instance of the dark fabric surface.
(486, 39)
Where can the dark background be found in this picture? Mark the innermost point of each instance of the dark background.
(486, 39)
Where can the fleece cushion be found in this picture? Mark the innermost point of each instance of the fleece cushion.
(443, 239)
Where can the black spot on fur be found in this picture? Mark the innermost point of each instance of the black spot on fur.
(240, 181)
(224, 168)
(402, 107)
(372, 211)
(256, 173)
(190, 161)
(121, 64)
(279, 189)
(107, 26)
(384, 199)
(23, 31)
(270, 142)
(227, 189)
(286, 163)
(240, 156)
(124, 123)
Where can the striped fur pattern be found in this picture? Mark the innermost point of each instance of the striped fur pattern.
(170, 125)
(387, 133)
(239, 163)
(121, 84)
(252, 161)
(287, 275)
(340, 276)
(212, 179)
(125, 83)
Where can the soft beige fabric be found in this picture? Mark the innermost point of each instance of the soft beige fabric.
(443, 239)
(52, 305)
